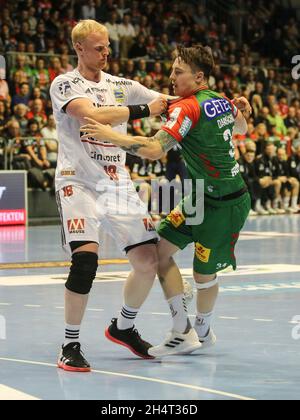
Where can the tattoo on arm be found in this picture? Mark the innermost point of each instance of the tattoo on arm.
(133, 149)
(166, 141)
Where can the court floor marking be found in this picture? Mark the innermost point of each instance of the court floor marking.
(11, 394)
(141, 378)
(226, 318)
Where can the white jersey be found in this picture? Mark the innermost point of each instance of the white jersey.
(92, 162)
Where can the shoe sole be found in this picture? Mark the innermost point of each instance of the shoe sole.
(121, 343)
(73, 369)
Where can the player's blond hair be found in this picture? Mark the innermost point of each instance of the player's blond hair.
(86, 27)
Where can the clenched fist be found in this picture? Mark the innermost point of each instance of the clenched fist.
(158, 106)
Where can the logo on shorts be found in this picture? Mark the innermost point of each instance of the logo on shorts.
(76, 226)
(202, 253)
(149, 226)
(176, 217)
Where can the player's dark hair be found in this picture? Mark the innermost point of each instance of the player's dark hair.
(198, 57)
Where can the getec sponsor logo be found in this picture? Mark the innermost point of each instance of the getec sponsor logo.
(214, 108)
(76, 226)
(105, 158)
(2, 191)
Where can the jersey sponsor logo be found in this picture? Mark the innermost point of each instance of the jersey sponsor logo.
(214, 108)
(77, 80)
(98, 92)
(65, 89)
(120, 82)
(174, 117)
(176, 217)
(119, 95)
(185, 126)
(228, 120)
(76, 226)
(149, 226)
(68, 172)
(202, 253)
(2, 191)
(105, 158)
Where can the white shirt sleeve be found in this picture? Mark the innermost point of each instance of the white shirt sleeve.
(63, 91)
(139, 94)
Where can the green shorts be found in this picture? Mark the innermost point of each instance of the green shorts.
(215, 239)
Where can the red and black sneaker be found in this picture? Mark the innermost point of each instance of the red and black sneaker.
(128, 338)
(71, 359)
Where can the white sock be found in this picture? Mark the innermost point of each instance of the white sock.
(127, 318)
(286, 202)
(202, 324)
(71, 334)
(179, 313)
(295, 201)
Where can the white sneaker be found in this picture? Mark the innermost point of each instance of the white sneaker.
(280, 211)
(252, 213)
(177, 343)
(293, 210)
(188, 292)
(272, 211)
(261, 211)
(208, 341)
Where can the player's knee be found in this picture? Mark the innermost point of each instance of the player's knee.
(148, 263)
(205, 281)
(83, 272)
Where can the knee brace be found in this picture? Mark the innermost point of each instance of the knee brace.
(82, 273)
(209, 285)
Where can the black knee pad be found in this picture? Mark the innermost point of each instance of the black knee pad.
(83, 272)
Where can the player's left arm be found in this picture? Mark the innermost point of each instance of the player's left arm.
(152, 148)
(240, 125)
(244, 111)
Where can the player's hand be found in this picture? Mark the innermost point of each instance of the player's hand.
(243, 105)
(96, 130)
(158, 106)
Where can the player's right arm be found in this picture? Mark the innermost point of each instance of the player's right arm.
(68, 97)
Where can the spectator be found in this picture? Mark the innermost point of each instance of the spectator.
(290, 185)
(36, 113)
(142, 69)
(88, 11)
(20, 112)
(114, 36)
(49, 134)
(138, 49)
(54, 68)
(41, 75)
(248, 171)
(23, 97)
(66, 66)
(127, 34)
(266, 171)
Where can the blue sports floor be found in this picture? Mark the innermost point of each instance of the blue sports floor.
(258, 351)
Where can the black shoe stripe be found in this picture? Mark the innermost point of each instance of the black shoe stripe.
(170, 345)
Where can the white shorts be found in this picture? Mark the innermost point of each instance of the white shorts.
(119, 212)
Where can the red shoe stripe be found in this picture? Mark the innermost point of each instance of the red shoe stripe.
(72, 368)
(114, 340)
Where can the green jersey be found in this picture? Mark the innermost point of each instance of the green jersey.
(203, 125)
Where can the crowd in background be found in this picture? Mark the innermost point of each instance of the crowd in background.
(253, 60)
